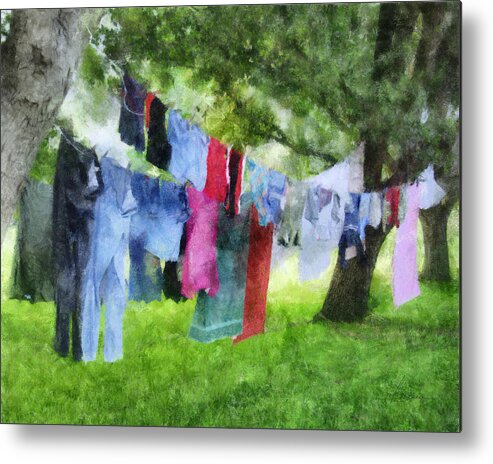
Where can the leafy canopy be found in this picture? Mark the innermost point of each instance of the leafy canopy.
(305, 76)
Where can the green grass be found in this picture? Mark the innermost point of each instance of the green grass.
(399, 370)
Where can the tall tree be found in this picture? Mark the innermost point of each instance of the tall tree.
(434, 222)
(439, 68)
(347, 298)
(39, 56)
(348, 295)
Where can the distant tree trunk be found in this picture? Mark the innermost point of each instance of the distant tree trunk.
(434, 222)
(348, 295)
(38, 59)
(349, 291)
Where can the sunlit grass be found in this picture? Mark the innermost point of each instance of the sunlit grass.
(399, 370)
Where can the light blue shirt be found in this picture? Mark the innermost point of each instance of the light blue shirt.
(189, 151)
(163, 209)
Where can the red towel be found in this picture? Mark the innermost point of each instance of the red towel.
(258, 272)
(392, 196)
(216, 185)
(149, 98)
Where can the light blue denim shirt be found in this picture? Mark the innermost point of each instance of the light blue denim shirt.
(163, 209)
(189, 151)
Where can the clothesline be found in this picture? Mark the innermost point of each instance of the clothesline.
(119, 71)
(62, 133)
(225, 252)
(193, 124)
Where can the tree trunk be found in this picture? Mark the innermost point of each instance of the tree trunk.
(348, 295)
(434, 222)
(38, 59)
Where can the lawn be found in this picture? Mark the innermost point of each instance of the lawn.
(399, 370)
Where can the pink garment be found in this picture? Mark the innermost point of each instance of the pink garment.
(199, 263)
(405, 266)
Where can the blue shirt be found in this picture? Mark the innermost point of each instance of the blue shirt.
(189, 151)
(162, 211)
(268, 188)
(275, 193)
(351, 218)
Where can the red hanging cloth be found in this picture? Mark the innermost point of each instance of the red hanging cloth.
(392, 196)
(148, 101)
(257, 281)
(216, 185)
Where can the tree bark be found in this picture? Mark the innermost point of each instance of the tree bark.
(349, 291)
(348, 295)
(38, 59)
(434, 223)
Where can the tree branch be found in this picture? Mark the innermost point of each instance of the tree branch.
(281, 137)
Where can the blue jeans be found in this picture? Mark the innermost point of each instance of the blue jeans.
(146, 278)
(104, 276)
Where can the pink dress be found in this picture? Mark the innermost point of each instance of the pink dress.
(199, 263)
(405, 284)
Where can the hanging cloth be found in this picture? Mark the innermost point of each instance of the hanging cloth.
(257, 281)
(375, 218)
(162, 206)
(235, 174)
(321, 232)
(216, 185)
(351, 232)
(392, 195)
(222, 316)
(268, 188)
(158, 148)
(275, 201)
(32, 276)
(77, 185)
(172, 275)
(148, 101)
(405, 284)
(104, 275)
(430, 193)
(258, 176)
(199, 263)
(364, 213)
(131, 125)
(189, 151)
(289, 233)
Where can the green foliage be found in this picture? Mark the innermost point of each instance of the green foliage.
(44, 166)
(398, 370)
(316, 61)
(91, 68)
(5, 17)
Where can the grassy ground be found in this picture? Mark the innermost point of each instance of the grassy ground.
(399, 370)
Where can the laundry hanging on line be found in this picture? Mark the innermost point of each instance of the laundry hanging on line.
(199, 263)
(162, 206)
(210, 192)
(158, 148)
(32, 276)
(221, 316)
(321, 231)
(78, 183)
(405, 285)
(104, 274)
(131, 125)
